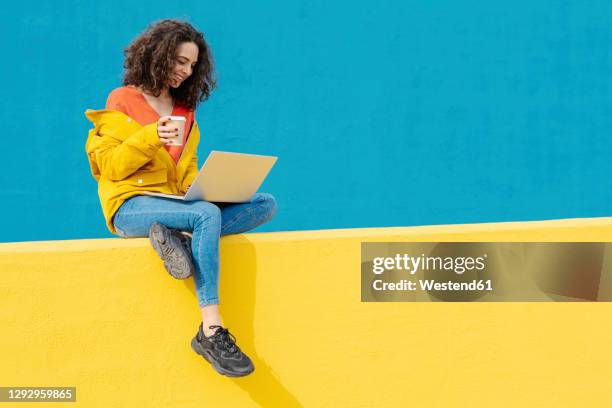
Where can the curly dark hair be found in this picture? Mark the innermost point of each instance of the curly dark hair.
(149, 60)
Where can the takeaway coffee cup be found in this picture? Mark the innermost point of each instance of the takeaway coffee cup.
(177, 122)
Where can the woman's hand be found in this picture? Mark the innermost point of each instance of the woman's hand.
(166, 133)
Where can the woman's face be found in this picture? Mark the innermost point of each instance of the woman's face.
(186, 59)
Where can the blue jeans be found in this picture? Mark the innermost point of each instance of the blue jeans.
(207, 221)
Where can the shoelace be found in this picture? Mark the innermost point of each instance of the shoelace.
(166, 248)
(185, 240)
(225, 338)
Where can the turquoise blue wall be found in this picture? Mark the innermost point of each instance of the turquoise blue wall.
(387, 113)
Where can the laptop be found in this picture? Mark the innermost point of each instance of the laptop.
(227, 177)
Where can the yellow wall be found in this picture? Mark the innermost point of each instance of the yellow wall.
(104, 316)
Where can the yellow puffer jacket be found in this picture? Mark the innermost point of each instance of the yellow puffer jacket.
(127, 159)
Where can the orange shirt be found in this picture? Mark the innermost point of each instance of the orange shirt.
(133, 103)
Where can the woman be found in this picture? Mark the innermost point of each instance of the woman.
(168, 71)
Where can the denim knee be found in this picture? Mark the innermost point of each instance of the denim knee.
(269, 202)
(207, 213)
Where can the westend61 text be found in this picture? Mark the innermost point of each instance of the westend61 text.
(429, 285)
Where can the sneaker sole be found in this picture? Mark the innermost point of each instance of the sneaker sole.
(158, 235)
(195, 345)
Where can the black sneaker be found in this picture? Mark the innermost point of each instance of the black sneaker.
(221, 351)
(173, 250)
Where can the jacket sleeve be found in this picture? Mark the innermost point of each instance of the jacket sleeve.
(117, 159)
(190, 174)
